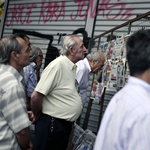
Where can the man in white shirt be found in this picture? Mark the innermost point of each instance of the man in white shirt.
(126, 121)
(91, 64)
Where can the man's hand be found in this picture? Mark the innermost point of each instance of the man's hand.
(38, 63)
(36, 104)
(31, 116)
(30, 146)
(23, 138)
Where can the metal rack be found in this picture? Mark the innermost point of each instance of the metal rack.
(128, 23)
(111, 31)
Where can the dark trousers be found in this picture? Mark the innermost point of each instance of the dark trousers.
(51, 133)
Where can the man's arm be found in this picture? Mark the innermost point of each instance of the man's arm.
(36, 104)
(23, 138)
(38, 75)
(39, 63)
(28, 104)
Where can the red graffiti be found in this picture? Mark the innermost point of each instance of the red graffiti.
(81, 5)
(92, 13)
(105, 5)
(49, 11)
(54, 11)
(17, 14)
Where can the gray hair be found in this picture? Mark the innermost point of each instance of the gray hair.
(7, 45)
(94, 56)
(35, 51)
(67, 42)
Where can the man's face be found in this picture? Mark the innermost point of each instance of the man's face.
(97, 66)
(39, 59)
(24, 55)
(80, 50)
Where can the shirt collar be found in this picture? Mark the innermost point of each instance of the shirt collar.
(138, 81)
(12, 70)
(70, 64)
(33, 65)
(87, 64)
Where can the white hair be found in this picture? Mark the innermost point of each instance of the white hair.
(67, 42)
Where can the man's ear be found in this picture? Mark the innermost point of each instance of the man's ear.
(93, 62)
(14, 55)
(71, 51)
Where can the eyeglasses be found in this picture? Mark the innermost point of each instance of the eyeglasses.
(40, 55)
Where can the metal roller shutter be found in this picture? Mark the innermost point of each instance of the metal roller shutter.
(45, 21)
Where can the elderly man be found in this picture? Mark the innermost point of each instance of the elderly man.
(14, 122)
(91, 64)
(31, 75)
(55, 102)
(126, 121)
(31, 72)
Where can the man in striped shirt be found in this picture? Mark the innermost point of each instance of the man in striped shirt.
(14, 121)
(125, 125)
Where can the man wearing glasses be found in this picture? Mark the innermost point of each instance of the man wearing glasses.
(31, 72)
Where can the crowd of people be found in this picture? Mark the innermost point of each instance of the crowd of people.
(54, 100)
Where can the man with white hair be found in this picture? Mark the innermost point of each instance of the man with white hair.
(93, 62)
(56, 102)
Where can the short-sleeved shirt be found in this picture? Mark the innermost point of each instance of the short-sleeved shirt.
(82, 75)
(30, 78)
(58, 84)
(13, 112)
